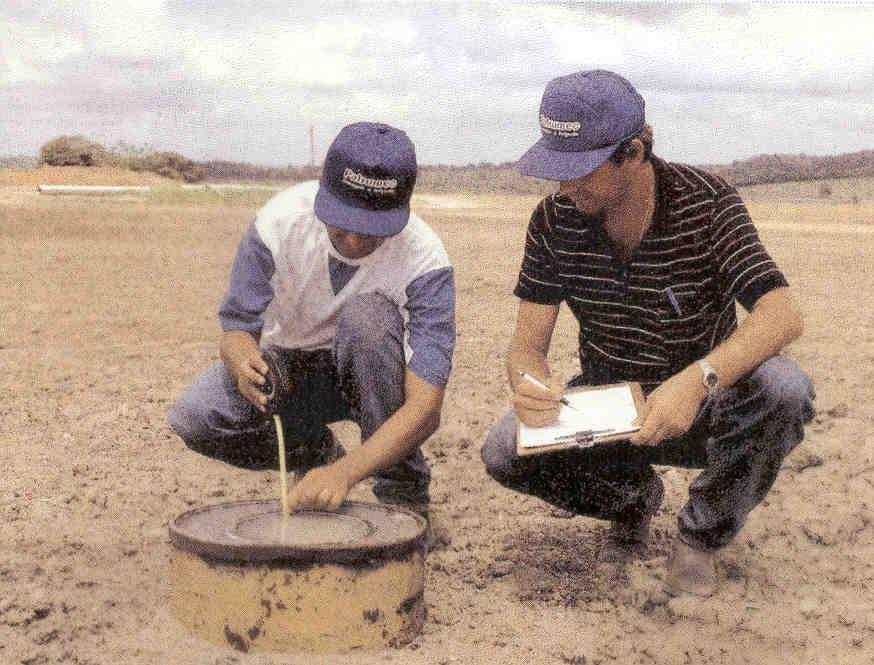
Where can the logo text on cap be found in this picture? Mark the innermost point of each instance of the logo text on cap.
(562, 128)
(356, 180)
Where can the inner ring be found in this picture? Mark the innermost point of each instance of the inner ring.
(304, 528)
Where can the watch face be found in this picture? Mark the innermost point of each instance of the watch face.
(711, 380)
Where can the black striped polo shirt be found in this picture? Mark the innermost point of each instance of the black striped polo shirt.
(647, 318)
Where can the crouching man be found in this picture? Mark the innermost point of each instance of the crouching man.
(352, 298)
(650, 257)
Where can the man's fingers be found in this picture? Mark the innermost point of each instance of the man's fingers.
(248, 386)
(537, 418)
(294, 498)
(253, 395)
(324, 499)
(254, 376)
(528, 389)
(641, 416)
(651, 434)
(534, 404)
(645, 433)
(335, 502)
(257, 363)
(556, 388)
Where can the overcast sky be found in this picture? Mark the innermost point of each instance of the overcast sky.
(245, 80)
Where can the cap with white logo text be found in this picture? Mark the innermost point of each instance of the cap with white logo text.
(583, 119)
(367, 180)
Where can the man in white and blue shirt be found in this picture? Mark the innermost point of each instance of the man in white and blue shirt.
(350, 297)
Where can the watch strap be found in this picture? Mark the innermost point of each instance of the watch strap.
(709, 377)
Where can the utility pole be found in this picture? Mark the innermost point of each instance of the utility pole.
(312, 147)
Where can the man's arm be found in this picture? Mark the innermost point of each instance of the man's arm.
(527, 353)
(670, 409)
(241, 315)
(240, 353)
(431, 306)
(418, 418)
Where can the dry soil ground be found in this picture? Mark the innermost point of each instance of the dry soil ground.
(107, 310)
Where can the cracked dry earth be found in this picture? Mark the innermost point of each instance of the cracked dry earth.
(108, 312)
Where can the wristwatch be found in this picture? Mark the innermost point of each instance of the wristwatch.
(709, 377)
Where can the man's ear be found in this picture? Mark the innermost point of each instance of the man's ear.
(636, 150)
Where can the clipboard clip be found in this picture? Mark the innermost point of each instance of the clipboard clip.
(584, 438)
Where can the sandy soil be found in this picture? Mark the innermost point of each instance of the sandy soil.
(78, 175)
(108, 312)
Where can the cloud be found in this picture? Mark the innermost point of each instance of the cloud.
(245, 81)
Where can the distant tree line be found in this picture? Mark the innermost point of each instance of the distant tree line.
(484, 177)
(764, 169)
(17, 162)
(224, 170)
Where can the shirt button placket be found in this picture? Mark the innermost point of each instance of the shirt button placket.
(623, 277)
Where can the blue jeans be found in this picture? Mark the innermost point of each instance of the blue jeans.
(361, 378)
(739, 437)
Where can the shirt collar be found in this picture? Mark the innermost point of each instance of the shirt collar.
(668, 184)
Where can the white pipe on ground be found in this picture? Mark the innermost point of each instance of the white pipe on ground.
(121, 189)
(91, 189)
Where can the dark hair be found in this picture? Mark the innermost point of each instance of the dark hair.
(624, 150)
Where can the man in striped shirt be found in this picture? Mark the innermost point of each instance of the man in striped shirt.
(650, 257)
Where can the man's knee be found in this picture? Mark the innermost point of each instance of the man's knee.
(184, 419)
(785, 387)
(499, 450)
(365, 320)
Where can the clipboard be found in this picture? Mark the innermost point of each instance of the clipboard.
(628, 401)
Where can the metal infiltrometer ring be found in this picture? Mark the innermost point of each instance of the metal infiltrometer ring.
(255, 531)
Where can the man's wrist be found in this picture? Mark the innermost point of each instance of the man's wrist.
(353, 467)
(693, 377)
(709, 377)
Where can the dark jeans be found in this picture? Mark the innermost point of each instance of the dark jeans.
(361, 379)
(739, 438)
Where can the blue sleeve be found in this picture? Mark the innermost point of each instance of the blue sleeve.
(250, 290)
(431, 305)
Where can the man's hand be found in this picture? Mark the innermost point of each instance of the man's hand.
(322, 488)
(534, 406)
(242, 357)
(528, 350)
(670, 409)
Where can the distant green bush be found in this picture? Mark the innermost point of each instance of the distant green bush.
(80, 151)
(166, 164)
(75, 151)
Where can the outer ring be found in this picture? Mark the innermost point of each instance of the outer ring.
(329, 553)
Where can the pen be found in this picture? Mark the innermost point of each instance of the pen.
(673, 299)
(530, 379)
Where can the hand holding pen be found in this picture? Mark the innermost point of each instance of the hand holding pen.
(536, 402)
(530, 379)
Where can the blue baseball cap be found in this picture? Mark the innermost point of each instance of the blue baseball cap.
(583, 118)
(367, 180)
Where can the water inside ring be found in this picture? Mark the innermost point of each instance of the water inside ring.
(302, 528)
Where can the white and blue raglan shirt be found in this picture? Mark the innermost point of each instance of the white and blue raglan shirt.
(288, 284)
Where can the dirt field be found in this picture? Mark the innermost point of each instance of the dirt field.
(107, 310)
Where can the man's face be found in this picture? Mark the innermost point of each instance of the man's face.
(353, 245)
(604, 187)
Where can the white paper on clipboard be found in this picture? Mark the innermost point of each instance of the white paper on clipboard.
(610, 408)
